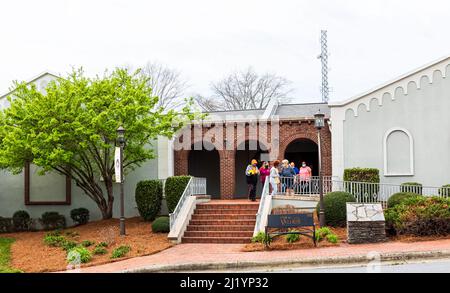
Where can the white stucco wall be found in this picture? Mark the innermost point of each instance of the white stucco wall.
(417, 105)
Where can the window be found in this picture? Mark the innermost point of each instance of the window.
(398, 152)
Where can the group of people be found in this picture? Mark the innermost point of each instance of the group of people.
(282, 176)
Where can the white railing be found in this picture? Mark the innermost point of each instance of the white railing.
(265, 197)
(304, 187)
(380, 192)
(195, 186)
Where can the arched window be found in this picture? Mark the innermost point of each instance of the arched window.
(398, 149)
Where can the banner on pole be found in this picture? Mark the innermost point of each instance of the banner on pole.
(117, 164)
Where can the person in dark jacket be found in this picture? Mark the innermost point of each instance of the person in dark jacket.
(251, 174)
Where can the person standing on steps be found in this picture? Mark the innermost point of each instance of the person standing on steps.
(305, 175)
(251, 174)
(264, 172)
(287, 177)
(274, 177)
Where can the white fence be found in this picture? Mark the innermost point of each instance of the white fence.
(304, 186)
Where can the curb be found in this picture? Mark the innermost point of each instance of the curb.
(339, 260)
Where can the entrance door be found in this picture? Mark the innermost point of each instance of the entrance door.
(206, 164)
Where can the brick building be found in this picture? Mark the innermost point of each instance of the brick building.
(220, 147)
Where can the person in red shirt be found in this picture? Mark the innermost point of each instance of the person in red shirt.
(264, 172)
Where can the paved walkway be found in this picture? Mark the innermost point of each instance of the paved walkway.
(221, 253)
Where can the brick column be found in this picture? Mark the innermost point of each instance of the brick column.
(227, 183)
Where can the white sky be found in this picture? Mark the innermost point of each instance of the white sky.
(370, 41)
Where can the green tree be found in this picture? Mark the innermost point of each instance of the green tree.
(71, 129)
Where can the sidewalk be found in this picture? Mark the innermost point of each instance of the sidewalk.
(228, 256)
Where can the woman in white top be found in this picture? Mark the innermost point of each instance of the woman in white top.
(274, 177)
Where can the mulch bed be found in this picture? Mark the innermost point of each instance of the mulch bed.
(30, 254)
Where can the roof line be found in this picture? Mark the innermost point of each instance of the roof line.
(388, 83)
(33, 79)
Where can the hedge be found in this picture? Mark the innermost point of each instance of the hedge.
(80, 216)
(398, 198)
(412, 187)
(52, 221)
(174, 189)
(148, 196)
(335, 204)
(371, 175)
(161, 225)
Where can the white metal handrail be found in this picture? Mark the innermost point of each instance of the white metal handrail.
(304, 186)
(195, 186)
(264, 194)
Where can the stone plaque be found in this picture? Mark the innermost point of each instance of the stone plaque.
(365, 223)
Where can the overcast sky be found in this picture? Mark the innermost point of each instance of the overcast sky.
(369, 41)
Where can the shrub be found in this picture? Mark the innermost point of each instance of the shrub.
(148, 196)
(332, 238)
(336, 208)
(174, 189)
(72, 234)
(54, 240)
(102, 244)
(100, 250)
(21, 221)
(291, 238)
(53, 220)
(398, 197)
(411, 187)
(445, 190)
(261, 237)
(87, 243)
(80, 216)
(68, 245)
(323, 232)
(120, 251)
(161, 225)
(78, 253)
(371, 175)
(6, 225)
(420, 216)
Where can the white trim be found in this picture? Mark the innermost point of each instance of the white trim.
(411, 153)
(31, 80)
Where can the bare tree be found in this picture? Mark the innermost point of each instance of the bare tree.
(167, 84)
(245, 90)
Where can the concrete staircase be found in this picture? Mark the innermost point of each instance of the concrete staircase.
(222, 222)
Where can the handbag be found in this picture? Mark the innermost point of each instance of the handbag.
(277, 180)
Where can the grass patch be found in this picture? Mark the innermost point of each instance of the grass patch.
(5, 256)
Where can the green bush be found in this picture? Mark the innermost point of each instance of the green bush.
(6, 225)
(54, 240)
(332, 238)
(53, 220)
(148, 196)
(411, 187)
(445, 190)
(80, 216)
(99, 250)
(120, 251)
(68, 245)
(420, 216)
(371, 175)
(398, 197)
(291, 238)
(174, 189)
(323, 232)
(102, 244)
(81, 252)
(161, 225)
(87, 243)
(21, 221)
(336, 208)
(262, 238)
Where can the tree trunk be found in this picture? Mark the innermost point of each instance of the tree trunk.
(110, 194)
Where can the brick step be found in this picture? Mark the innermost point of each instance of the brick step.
(217, 222)
(220, 228)
(216, 240)
(229, 234)
(226, 211)
(206, 206)
(223, 217)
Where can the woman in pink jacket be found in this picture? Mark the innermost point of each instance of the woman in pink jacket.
(264, 172)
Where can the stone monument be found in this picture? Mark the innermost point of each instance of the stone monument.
(365, 223)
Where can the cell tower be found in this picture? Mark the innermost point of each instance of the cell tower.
(325, 90)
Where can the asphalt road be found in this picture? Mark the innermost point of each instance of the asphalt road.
(435, 266)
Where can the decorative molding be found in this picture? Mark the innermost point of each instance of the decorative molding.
(27, 191)
(411, 153)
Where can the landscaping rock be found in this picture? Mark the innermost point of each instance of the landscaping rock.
(365, 223)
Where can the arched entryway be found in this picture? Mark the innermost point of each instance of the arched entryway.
(304, 150)
(205, 162)
(245, 153)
